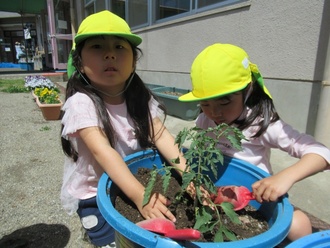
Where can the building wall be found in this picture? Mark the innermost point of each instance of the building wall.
(286, 39)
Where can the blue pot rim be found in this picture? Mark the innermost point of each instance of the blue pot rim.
(149, 239)
(317, 240)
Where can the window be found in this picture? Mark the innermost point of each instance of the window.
(167, 8)
(118, 7)
(137, 13)
(204, 3)
(141, 13)
(89, 7)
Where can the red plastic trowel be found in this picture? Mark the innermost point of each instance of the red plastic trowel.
(167, 228)
(239, 196)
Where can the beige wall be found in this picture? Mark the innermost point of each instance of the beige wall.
(286, 39)
(282, 37)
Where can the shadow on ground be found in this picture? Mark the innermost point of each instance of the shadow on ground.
(39, 235)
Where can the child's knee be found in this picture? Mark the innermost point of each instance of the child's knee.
(300, 226)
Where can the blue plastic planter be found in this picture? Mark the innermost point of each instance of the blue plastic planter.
(315, 240)
(233, 172)
(183, 110)
(154, 86)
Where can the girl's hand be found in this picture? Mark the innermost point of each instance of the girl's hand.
(271, 188)
(191, 190)
(157, 208)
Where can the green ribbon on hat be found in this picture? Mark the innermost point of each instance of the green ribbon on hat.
(256, 74)
(70, 68)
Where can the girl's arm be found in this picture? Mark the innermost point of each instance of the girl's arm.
(269, 189)
(113, 164)
(165, 143)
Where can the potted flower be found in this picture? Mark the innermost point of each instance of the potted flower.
(47, 96)
(49, 102)
(230, 171)
(35, 81)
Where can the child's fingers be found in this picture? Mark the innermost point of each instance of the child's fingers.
(191, 190)
(258, 191)
(157, 208)
(164, 209)
(168, 214)
(266, 190)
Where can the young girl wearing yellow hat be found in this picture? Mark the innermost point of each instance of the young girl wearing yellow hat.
(109, 113)
(231, 90)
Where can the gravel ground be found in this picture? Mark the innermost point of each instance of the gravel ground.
(31, 167)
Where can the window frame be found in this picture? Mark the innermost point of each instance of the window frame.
(193, 13)
(89, 4)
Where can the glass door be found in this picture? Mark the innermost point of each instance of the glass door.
(59, 33)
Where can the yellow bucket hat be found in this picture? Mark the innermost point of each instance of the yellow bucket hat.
(221, 69)
(102, 23)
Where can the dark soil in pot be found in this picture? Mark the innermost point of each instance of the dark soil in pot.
(252, 222)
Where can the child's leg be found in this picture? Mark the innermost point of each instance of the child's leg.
(98, 230)
(300, 226)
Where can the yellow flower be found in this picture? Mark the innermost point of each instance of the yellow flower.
(46, 95)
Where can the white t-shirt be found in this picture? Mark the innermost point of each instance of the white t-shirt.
(81, 178)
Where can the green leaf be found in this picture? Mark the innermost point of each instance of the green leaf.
(166, 179)
(150, 186)
(209, 184)
(187, 177)
(229, 234)
(181, 137)
(235, 142)
(176, 160)
(221, 158)
(207, 227)
(203, 216)
(229, 211)
(218, 237)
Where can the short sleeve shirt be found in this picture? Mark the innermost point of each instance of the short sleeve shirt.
(81, 177)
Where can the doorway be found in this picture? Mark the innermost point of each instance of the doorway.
(59, 35)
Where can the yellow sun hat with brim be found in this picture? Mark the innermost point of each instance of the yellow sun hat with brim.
(219, 70)
(102, 23)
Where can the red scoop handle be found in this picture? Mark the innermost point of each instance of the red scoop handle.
(167, 228)
(249, 196)
(183, 234)
(157, 225)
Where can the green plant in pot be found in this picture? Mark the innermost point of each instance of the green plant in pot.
(203, 157)
(47, 96)
(231, 172)
(49, 102)
(38, 81)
